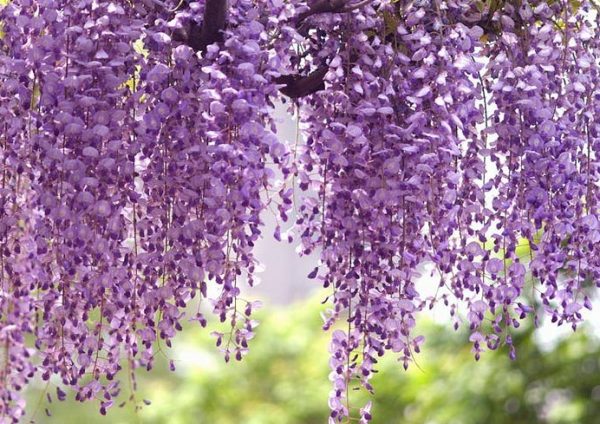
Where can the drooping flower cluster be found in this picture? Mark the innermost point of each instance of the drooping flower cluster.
(136, 164)
(64, 68)
(453, 135)
(401, 103)
(134, 174)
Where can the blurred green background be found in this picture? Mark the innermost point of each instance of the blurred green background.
(284, 380)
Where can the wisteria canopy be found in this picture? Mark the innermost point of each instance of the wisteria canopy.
(139, 157)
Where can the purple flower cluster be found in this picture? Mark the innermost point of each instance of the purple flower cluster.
(401, 104)
(450, 134)
(136, 165)
(134, 173)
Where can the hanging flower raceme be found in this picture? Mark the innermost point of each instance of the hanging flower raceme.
(538, 173)
(67, 245)
(401, 98)
(134, 175)
(205, 139)
(448, 143)
(16, 295)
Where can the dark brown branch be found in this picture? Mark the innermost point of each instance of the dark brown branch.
(297, 86)
(215, 20)
(322, 6)
(213, 24)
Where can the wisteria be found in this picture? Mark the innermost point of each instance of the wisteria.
(139, 156)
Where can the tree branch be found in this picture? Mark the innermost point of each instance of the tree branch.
(331, 6)
(213, 24)
(322, 6)
(297, 86)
